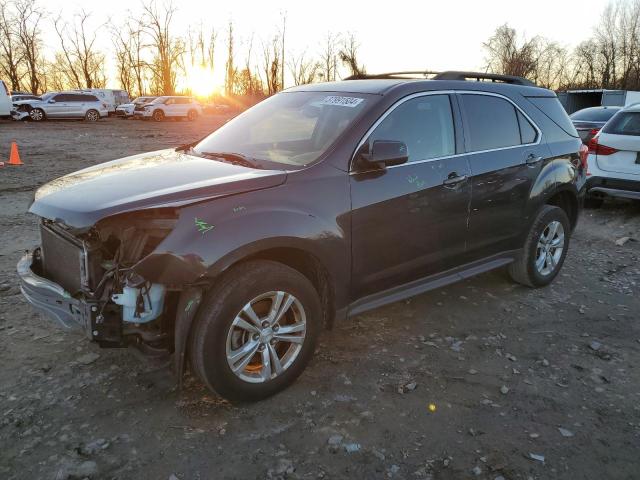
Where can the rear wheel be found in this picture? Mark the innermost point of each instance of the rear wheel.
(158, 115)
(256, 331)
(36, 114)
(544, 250)
(92, 116)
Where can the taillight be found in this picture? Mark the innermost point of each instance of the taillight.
(599, 149)
(593, 132)
(584, 153)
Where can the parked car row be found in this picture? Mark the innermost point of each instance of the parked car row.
(161, 108)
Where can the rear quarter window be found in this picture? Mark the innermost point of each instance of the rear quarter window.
(624, 123)
(554, 110)
(491, 122)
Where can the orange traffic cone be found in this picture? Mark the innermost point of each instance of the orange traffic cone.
(14, 156)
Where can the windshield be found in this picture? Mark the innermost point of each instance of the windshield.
(594, 114)
(294, 128)
(47, 96)
(159, 100)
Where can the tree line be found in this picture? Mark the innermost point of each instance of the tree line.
(609, 58)
(150, 57)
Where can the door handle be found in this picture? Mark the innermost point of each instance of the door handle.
(532, 159)
(454, 179)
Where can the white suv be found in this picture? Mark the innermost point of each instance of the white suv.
(614, 158)
(170, 107)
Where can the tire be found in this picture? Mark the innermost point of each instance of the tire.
(215, 336)
(92, 116)
(37, 115)
(192, 116)
(158, 115)
(538, 246)
(593, 202)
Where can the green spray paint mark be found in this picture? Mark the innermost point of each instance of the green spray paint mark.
(203, 227)
(414, 179)
(189, 305)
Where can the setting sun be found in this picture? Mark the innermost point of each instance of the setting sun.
(200, 81)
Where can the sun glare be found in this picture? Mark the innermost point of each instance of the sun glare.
(201, 82)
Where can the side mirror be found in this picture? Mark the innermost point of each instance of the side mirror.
(386, 153)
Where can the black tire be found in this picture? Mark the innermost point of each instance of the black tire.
(523, 270)
(37, 115)
(593, 202)
(192, 116)
(92, 116)
(220, 307)
(158, 115)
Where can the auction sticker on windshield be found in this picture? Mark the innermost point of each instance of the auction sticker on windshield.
(341, 101)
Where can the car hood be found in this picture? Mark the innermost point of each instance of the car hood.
(165, 178)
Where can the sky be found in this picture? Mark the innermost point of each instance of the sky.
(396, 35)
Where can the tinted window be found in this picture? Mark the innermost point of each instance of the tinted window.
(491, 122)
(62, 98)
(182, 101)
(425, 124)
(624, 123)
(594, 114)
(527, 132)
(552, 108)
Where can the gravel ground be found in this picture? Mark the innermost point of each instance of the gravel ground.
(484, 379)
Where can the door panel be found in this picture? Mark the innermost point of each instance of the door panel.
(406, 223)
(505, 158)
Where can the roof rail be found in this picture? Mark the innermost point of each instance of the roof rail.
(366, 76)
(449, 75)
(480, 77)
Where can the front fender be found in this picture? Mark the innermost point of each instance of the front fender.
(211, 236)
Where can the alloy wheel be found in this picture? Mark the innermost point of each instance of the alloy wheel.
(36, 114)
(92, 116)
(266, 337)
(549, 248)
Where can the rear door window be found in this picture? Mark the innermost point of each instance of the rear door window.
(424, 124)
(624, 123)
(491, 122)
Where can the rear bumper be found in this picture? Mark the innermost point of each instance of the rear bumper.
(50, 298)
(614, 187)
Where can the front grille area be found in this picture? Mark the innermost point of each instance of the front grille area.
(62, 259)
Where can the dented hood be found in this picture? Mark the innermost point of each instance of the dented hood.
(157, 179)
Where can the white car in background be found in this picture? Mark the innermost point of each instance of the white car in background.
(5, 101)
(170, 107)
(112, 98)
(126, 109)
(614, 159)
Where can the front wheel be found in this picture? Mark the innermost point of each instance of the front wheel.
(158, 115)
(256, 331)
(36, 114)
(544, 250)
(92, 116)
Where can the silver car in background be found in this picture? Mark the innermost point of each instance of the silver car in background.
(60, 105)
(126, 109)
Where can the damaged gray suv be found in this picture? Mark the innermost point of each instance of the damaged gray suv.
(323, 201)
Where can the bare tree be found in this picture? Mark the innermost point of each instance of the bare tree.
(167, 49)
(231, 71)
(84, 64)
(508, 56)
(271, 65)
(28, 17)
(329, 57)
(349, 55)
(10, 54)
(303, 70)
(282, 36)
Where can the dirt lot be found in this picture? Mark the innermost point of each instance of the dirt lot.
(523, 384)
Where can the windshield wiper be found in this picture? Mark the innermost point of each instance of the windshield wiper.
(233, 158)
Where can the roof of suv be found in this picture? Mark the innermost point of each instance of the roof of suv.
(381, 85)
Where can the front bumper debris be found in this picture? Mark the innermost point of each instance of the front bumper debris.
(50, 298)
